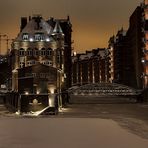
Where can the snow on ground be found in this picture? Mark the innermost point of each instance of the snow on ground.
(66, 133)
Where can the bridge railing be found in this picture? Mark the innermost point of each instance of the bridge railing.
(104, 89)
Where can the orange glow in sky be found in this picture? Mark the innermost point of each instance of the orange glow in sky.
(93, 21)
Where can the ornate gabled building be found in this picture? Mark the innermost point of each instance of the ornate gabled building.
(40, 56)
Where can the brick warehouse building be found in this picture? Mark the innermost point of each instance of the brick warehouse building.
(128, 51)
(40, 58)
(90, 67)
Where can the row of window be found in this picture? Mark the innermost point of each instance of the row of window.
(33, 62)
(41, 75)
(37, 37)
(35, 52)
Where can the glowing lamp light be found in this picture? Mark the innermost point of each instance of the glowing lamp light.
(53, 33)
(31, 39)
(26, 93)
(47, 39)
(37, 92)
(75, 53)
(143, 61)
(52, 90)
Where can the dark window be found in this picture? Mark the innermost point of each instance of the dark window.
(43, 52)
(29, 52)
(49, 52)
(21, 52)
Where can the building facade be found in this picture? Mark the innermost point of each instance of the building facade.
(118, 57)
(128, 51)
(90, 67)
(5, 72)
(39, 54)
(145, 40)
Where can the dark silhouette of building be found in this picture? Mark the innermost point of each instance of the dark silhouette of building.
(128, 52)
(118, 55)
(5, 71)
(135, 46)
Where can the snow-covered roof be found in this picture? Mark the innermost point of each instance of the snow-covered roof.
(39, 25)
(57, 28)
(102, 54)
(89, 55)
(83, 56)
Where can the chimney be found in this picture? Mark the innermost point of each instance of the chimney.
(23, 23)
(29, 18)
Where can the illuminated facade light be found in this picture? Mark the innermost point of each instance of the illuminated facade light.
(26, 93)
(31, 40)
(75, 53)
(52, 90)
(143, 61)
(47, 40)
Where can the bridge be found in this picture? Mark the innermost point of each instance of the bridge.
(100, 92)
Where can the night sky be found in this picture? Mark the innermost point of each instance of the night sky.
(93, 21)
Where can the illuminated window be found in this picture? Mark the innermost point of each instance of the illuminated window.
(48, 63)
(39, 36)
(25, 36)
(22, 64)
(30, 63)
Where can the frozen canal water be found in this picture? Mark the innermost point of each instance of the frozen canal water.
(66, 133)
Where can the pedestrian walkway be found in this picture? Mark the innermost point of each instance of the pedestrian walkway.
(3, 110)
(79, 99)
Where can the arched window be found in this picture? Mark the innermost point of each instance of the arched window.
(25, 36)
(29, 52)
(43, 52)
(49, 52)
(21, 52)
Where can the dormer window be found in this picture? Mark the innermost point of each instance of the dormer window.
(25, 36)
(39, 36)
